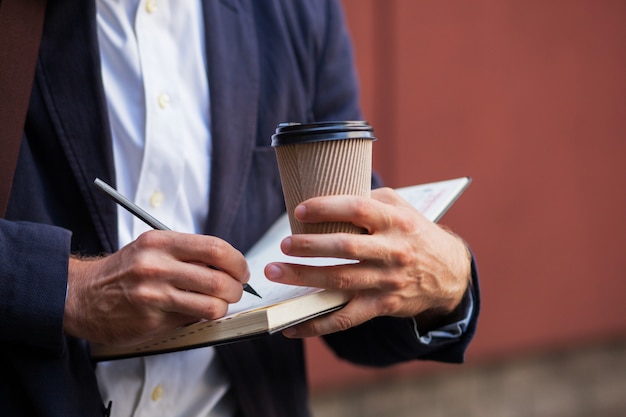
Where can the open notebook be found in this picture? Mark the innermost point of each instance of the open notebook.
(281, 305)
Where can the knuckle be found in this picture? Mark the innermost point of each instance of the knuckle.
(349, 246)
(380, 194)
(387, 192)
(342, 280)
(211, 249)
(150, 239)
(213, 284)
(342, 322)
(142, 295)
(214, 248)
(388, 305)
(215, 310)
(394, 284)
(236, 297)
(302, 242)
(405, 221)
(152, 322)
(227, 289)
(144, 267)
(362, 208)
(403, 255)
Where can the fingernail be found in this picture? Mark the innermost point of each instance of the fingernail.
(300, 212)
(286, 245)
(274, 272)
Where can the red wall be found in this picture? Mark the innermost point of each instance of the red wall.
(528, 98)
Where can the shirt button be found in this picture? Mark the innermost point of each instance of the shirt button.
(151, 6)
(157, 393)
(163, 100)
(156, 199)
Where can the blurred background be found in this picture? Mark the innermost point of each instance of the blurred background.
(528, 97)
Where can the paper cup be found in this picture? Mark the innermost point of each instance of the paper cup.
(319, 159)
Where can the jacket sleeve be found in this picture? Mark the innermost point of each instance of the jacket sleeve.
(33, 284)
(387, 340)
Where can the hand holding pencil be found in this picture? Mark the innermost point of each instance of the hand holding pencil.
(145, 217)
(151, 286)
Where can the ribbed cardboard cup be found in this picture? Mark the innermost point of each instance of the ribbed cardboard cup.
(319, 159)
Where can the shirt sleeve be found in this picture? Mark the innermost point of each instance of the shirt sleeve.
(451, 331)
(385, 341)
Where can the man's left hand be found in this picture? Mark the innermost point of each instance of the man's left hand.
(407, 265)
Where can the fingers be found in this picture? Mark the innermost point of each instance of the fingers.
(389, 196)
(404, 266)
(164, 274)
(158, 282)
(336, 245)
(359, 310)
(199, 249)
(179, 287)
(171, 273)
(349, 277)
(386, 210)
(194, 305)
(338, 208)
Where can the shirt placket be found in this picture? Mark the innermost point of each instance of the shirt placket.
(160, 174)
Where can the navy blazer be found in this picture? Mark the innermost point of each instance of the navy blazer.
(300, 69)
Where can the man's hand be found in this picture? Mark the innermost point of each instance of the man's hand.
(157, 283)
(408, 266)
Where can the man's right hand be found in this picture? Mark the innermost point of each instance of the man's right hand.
(156, 283)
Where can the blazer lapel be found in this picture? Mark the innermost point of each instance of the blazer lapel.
(71, 83)
(232, 61)
(72, 88)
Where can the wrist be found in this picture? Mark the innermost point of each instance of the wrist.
(74, 313)
(454, 307)
(461, 263)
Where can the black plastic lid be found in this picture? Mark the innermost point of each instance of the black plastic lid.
(290, 133)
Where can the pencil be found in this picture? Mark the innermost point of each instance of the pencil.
(144, 216)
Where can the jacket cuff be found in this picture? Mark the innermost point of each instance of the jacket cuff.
(33, 283)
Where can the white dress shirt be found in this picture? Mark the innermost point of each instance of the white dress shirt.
(154, 74)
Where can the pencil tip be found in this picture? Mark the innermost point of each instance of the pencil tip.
(247, 288)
